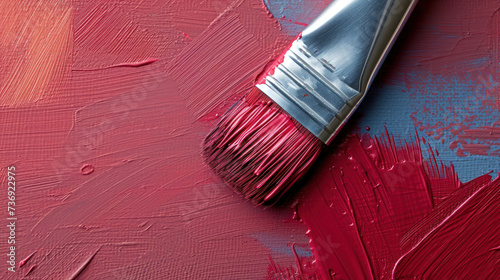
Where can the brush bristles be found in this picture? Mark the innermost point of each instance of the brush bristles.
(259, 150)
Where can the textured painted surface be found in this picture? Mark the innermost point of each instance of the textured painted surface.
(443, 79)
(36, 38)
(111, 182)
(373, 195)
(104, 124)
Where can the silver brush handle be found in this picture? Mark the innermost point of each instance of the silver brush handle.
(326, 72)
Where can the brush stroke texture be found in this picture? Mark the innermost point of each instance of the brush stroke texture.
(375, 208)
(37, 35)
(458, 240)
(151, 205)
(464, 60)
(370, 191)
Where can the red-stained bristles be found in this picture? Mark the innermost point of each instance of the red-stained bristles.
(259, 150)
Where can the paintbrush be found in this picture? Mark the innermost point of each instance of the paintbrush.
(270, 138)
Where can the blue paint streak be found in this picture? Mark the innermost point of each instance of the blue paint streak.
(303, 11)
(275, 244)
(391, 105)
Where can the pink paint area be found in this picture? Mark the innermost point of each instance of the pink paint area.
(111, 181)
(105, 104)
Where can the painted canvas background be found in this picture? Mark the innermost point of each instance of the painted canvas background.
(104, 106)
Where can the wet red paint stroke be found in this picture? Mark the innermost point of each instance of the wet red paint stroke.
(370, 195)
(459, 239)
(129, 64)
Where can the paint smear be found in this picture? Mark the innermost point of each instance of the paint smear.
(459, 239)
(38, 38)
(455, 88)
(111, 181)
(376, 209)
(224, 56)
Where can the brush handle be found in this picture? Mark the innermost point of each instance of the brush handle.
(327, 71)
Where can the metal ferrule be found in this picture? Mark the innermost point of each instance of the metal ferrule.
(326, 72)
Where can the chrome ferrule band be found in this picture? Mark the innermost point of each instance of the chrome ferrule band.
(326, 72)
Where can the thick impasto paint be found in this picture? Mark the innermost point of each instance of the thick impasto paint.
(104, 106)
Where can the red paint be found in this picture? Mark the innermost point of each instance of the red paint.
(84, 265)
(25, 260)
(87, 169)
(224, 61)
(124, 64)
(458, 239)
(369, 195)
(30, 270)
(275, 272)
(294, 22)
(300, 23)
(482, 138)
(302, 269)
